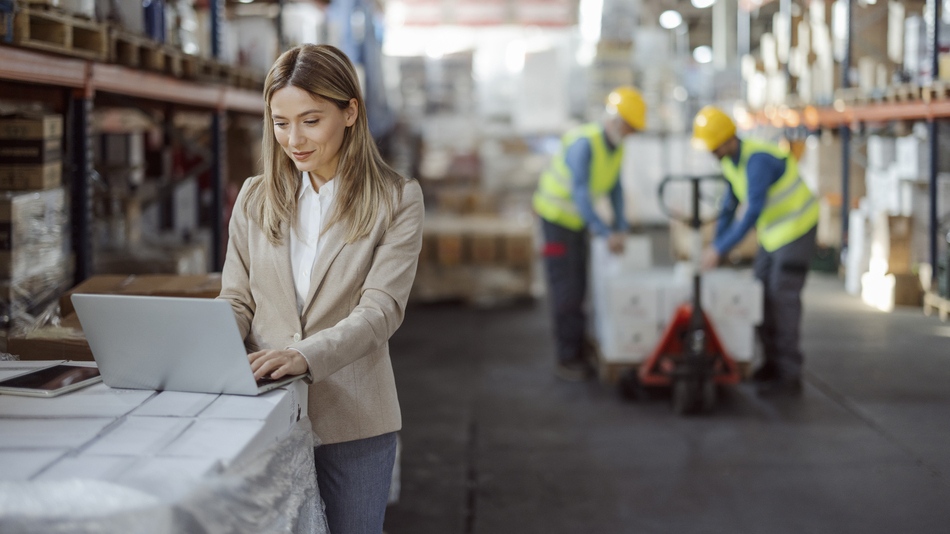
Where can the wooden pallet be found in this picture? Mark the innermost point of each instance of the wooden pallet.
(54, 6)
(52, 31)
(213, 71)
(933, 301)
(246, 78)
(204, 69)
(126, 48)
(852, 96)
(905, 92)
(191, 66)
(938, 90)
(610, 372)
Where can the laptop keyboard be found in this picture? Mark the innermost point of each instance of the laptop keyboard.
(265, 380)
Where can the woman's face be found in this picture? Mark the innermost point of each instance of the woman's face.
(310, 129)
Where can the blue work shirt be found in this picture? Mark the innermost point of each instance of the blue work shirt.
(762, 171)
(578, 158)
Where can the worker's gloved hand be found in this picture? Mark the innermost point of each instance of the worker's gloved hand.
(710, 259)
(615, 242)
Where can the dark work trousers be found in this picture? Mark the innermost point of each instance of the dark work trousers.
(565, 262)
(783, 274)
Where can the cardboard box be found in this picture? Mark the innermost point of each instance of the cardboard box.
(682, 241)
(139, 436)
(52, 343)
(891, 244)
(20, 466)
(50, 434)
(519, 249)
(30, 126)
(484, 249)
(97, 400)
(449, 249)
(629, 300)
(733, 295)
(886, 291)
(31, 151)
(176, 404)
(737, 338)
(637, 255)
(235, 427)
(631, 342)
(912, 159)
(196, 286)
(20, 177)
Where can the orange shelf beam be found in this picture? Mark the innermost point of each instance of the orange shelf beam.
(31, 67)
(831, 117)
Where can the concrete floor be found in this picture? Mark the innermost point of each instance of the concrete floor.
(494, 444)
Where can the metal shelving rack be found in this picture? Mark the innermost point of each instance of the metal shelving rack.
(76, 82)
(846, 116)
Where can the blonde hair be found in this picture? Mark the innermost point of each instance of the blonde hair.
(364, 181)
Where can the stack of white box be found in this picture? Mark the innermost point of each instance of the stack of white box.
(632, 302)
(896, 177)
(895, 166)
(136, 438)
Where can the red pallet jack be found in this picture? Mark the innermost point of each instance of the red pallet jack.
(690, 359)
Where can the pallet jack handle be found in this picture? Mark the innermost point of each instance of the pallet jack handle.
(695, 222)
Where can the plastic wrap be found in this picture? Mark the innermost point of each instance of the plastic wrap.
(22, 300)
(33, 235)
(275, 491)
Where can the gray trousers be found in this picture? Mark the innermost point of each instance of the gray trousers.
(783, 274)
(354, 479)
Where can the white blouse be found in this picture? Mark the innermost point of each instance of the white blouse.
(313, 209)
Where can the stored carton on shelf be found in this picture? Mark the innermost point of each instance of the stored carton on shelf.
(65, 342)
(29, 126)
(31, 151)
(25, 177)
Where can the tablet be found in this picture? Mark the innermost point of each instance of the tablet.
(51, 381)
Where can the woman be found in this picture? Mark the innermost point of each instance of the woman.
(322, 253)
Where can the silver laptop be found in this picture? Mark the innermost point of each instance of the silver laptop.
(168, 343)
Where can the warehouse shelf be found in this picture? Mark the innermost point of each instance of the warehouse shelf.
(73, 86)
(91, 76)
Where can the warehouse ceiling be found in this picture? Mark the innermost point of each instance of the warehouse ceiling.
(699, 20)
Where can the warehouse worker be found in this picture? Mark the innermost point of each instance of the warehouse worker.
(586, 167)
(785, 215)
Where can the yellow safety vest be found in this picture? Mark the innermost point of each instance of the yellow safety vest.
(552, 200)
(790, 211)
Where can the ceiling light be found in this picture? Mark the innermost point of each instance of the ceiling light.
(702, 4)
(702, 54)
(670, 19)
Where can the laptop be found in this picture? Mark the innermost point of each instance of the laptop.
(168, 343)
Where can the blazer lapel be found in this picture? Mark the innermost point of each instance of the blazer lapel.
(332, 244)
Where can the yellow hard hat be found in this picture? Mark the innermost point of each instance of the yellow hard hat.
(627, 102)
(711, 128)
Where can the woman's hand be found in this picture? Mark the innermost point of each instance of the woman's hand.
(277, 363)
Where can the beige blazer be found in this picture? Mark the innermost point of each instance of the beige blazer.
(357, 300)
